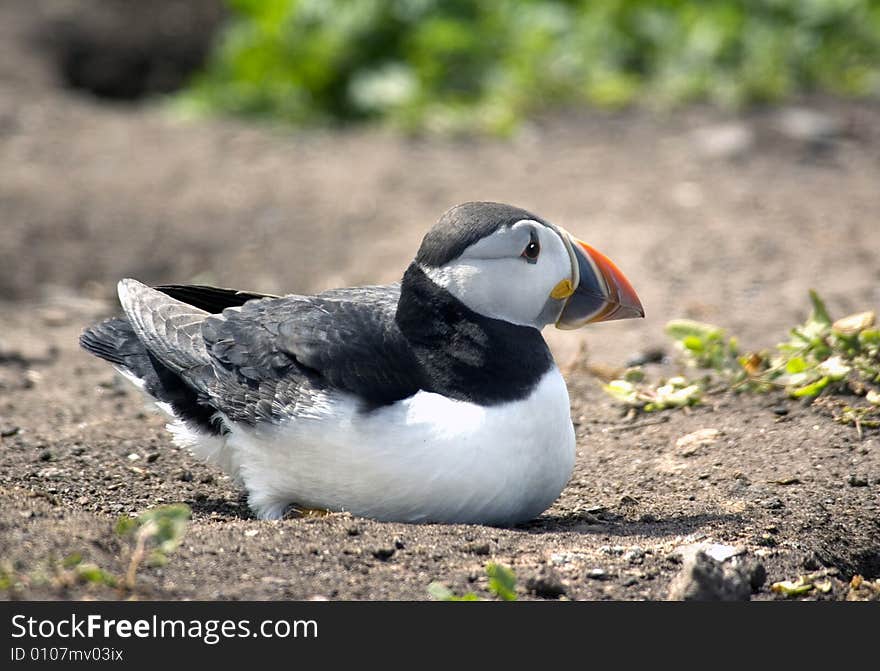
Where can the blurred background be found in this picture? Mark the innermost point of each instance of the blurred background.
(725, 153)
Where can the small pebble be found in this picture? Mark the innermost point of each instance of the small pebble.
(634, 555)
(812, 562)
(705, 579)
(384, 554)
(546, 585)
(726, 141)
(808, 125)
(858, 481)
(774, 504)
(597, 574)
(693, 442)
(479, 549)
(652, 355)
(766, 540)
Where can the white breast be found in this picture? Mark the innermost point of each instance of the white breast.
(424, 459)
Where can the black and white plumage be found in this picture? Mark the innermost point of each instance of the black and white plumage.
(434, 399)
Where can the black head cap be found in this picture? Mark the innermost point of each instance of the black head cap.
(462, 226)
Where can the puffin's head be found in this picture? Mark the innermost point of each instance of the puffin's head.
(506, 263)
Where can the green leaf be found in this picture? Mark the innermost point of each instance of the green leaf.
(169, 525)
(157, 558)
(622, 391)
(502, 581)
(796, 365)
(674, 395)
(810, 390)
(693, 343)
(820, 313)
(870, 340)
(92, 573)
(733, 347)
(125, 525)
(440, 592)
(792, 588)
(72, 560)
(680, 329)
(634, 374)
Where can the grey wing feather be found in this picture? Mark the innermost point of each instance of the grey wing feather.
(169, 329)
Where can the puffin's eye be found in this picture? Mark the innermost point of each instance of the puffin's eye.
(530, 253)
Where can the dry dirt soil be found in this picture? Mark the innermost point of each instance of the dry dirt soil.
(725, 219)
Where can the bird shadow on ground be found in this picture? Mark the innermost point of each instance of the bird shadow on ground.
(221, 508)
(612, 524)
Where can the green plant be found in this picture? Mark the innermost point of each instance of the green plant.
(820, 357)
(502, 583)
(805, 584)
(486, 65)
(156, 533)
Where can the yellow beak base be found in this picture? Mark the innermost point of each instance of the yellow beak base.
(562, 290)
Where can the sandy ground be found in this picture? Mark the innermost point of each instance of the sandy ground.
(729, 220)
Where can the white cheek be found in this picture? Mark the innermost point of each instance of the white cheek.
(508, 289)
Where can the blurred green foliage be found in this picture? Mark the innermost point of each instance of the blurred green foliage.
(465, 64)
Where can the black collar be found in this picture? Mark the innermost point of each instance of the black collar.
(465, 355)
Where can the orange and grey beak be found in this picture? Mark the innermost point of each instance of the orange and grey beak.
(598, 292)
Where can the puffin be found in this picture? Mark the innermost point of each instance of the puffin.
(431, 400)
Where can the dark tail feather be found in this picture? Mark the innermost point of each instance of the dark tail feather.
(115, 341)
(210, 299)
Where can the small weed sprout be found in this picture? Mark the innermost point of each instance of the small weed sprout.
(156, 534)
(502, 583)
